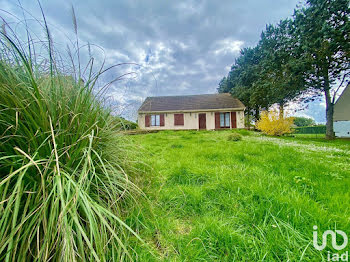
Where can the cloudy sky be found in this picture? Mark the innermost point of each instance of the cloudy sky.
(179, 47)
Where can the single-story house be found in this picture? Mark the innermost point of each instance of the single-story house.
(341, 115)
(193, 112)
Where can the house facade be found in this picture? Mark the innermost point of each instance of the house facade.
(194, 112)
(341, 115)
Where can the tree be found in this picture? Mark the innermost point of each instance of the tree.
(223, 85)
(303, 121)
(322, 32)
(241, 80)
(298, 59)
(266, 74)
(279, 73)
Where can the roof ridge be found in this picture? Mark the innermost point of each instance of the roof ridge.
(190, 95)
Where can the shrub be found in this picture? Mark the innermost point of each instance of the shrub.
(272, 123)
(123, 124)
(62, 183)
(234, 137)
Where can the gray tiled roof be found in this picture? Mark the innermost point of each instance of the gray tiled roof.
(192, 102)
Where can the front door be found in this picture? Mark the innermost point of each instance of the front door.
(202, 121)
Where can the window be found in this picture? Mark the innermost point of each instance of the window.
(224, 119)
(155, 120)
(178, 119)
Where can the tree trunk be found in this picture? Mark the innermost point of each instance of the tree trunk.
(281, 111)
(248, 121)
(257, 114)
(329, 110)
(248, 117)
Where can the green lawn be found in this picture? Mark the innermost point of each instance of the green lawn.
(210, 199)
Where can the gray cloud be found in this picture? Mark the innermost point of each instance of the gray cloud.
(182, 47)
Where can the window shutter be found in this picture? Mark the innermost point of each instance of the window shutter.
(178, 119)
(217, 120)
(233, 119)
(161, 119)
(147, 120)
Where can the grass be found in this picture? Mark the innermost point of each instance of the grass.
(64, 188)
(251, 200)
(66, 192)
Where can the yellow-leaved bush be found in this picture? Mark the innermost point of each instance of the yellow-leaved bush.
(274, 124)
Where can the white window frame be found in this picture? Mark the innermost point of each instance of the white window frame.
(225, 119)
(155, 120)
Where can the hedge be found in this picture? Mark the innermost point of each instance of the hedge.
(310, 130)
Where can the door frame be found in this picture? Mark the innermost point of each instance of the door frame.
(199, 121)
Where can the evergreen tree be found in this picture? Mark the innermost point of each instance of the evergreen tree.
(322, 30)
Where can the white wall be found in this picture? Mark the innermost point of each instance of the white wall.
(190, 121)
(342, 106)
(342, 128)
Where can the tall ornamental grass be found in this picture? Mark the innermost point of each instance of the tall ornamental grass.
(61, 189)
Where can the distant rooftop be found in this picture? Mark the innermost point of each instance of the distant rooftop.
(191, 102)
